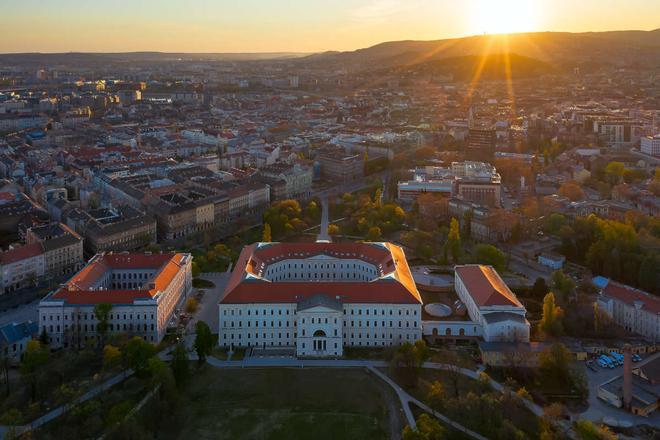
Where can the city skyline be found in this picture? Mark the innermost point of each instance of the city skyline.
(296, 26)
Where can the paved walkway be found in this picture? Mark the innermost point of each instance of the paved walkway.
(323, 230)
(55, 413)
(407, 399)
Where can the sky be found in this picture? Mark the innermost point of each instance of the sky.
(293, 25)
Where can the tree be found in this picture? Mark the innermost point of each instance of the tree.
(571, 190)
(489, 255)
(437, 396)
(4, 365)
(267, 236)
(203, 340)
(454, 240)
(540, 288)
(614, 172)
(374, 234)
(409, 359)
(428, 428)
(111, 357)
(93, 202)
(159, 372)
(137, 354)
(12, 419)
(102, 315)
(555, 362)
(554, 223)
(194, 268)
(34, 358)
(587, 430)
(180, 366)
(333, 229)
(550, 323)
(562, 284)
(191, 305)
(467, 224)
(648, 273)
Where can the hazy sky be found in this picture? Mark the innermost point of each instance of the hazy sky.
(293, 25)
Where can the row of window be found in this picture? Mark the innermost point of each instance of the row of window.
(249, 336)
(358, 343)
(374, 312)
(92, 317)
(318, 321)
(111, 327)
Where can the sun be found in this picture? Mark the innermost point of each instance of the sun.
(503, 16)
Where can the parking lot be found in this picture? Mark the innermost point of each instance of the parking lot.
(600, 411)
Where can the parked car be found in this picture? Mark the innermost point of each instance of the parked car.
(591, 366)
(617, 358)
(636, 357)
(602, 363)
(607, 361)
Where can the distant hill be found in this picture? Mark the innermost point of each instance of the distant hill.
(624, 48)
(84, 58)
(492, 67)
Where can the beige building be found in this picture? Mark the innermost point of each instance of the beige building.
(62, 247)
(143, 289)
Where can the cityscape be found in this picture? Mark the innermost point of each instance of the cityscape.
(369, 220)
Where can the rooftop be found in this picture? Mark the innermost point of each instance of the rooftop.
(83, 288)
(393, 284)
(486, 286)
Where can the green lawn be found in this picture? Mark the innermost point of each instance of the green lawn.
(284, 404)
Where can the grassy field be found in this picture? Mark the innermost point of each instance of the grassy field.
(284, 404)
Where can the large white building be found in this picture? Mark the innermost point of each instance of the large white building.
(143, 289)
(491, 304)
(650, 145)
(318, 298)
(633, 309)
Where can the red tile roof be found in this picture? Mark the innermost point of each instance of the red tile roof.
(396, 287)
(21, 253)
(630, 295)
(486, 287)
(77, 289)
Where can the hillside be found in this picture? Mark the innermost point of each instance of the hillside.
(492, 67)
(88, 58)
(560, 48)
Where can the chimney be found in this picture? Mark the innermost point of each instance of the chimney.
(627, 376)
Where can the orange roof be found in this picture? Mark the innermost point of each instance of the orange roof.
(394, 285)
(485, 286)
(78, 289)
(630, 296)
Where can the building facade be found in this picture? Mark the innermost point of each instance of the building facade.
(635, 310)
(143, 289)
(491, 303)
(318, 298)
(650, 145)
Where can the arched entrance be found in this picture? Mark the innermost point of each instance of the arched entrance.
(319, 342)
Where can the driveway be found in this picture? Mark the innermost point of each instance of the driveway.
(208, 306)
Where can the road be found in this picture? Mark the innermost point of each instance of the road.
(323, 232)
(20, 314)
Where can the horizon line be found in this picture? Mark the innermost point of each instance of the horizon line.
(284, 52)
